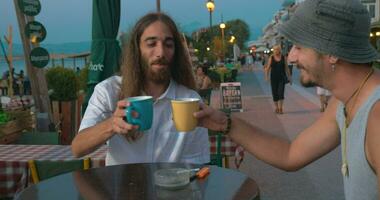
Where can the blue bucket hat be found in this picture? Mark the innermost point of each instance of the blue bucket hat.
(339, 28)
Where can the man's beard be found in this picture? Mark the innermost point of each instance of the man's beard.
(160, 76)
(306, 82)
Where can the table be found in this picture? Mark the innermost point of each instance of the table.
(136, 181)
(14, 174)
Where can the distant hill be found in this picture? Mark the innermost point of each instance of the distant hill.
(64, 48)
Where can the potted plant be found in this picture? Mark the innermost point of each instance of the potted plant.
(63, 86)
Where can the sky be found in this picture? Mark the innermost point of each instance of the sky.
(69, 21)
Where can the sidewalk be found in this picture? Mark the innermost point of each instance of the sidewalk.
(321, 179)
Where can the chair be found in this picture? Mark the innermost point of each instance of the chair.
(41, 170)
(206, 95)
(39, 138)
(216, 159)
(215, 78)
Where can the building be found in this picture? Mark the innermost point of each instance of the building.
(373, 7)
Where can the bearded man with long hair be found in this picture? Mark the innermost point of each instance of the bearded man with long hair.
(154, 63)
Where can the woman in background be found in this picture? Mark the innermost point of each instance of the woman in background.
(279, 75)
(202, 80)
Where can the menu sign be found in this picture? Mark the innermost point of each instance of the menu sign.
(39, 57)
(35, 31)
(30, 7)
(231, 96)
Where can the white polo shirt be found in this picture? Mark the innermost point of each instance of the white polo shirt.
(161, 143)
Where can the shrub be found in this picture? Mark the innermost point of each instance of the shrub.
(82, 78)
(376, 64)
(63, 83)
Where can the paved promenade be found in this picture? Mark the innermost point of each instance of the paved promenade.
(319, 180)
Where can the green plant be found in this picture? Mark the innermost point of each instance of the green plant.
(82, 78)
(376, 64)
(63, 83)
(4, 117)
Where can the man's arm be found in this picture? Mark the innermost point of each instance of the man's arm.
(89, 139)
(372, 141)
(312, 143)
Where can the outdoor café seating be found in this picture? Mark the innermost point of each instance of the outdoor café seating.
(138, 181)
(14, 166)
(38, 138)
(206, 95)
(41, 170)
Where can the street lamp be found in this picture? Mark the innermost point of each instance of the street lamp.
(222, 26)
(210, 7)
(158, 5)
(232, 40)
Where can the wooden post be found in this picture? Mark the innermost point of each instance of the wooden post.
(36, 75)
(9, 40)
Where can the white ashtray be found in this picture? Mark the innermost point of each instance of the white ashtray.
(172, 179)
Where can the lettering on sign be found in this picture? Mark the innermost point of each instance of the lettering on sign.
(96, 67)
(30, 7)
(39, 57)
(231, 96)
(35, 31)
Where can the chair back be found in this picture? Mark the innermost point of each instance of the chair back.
(206, 95)
(41, 170)
(234, 74)
(217, 157)
(39, 138)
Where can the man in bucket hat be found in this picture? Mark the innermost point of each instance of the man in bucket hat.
(332, 50)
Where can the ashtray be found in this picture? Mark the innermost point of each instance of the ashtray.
(172, 178)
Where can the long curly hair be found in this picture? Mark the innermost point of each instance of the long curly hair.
(132, 70)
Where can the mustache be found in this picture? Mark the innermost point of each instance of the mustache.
(160, 61)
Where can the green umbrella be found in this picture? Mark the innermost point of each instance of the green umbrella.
(105, 49)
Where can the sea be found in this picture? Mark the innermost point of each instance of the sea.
(64, 48)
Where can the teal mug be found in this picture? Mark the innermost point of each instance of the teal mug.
(143, 105)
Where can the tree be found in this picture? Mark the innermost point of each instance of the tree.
(204, 38)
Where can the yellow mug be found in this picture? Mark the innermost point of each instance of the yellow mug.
(183, 110)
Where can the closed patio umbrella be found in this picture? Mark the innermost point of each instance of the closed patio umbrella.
(105, 49)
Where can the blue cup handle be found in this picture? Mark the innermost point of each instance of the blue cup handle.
(130, 118)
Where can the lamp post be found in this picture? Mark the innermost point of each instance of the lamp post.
(210, 7)
(158, 5)
(222, 26)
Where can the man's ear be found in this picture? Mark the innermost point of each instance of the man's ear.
(333, 59)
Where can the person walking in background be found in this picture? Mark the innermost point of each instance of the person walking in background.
(4, 85)
(343, 65)
(278, 69)
(155, 64)
(20, 82)
(324, 96)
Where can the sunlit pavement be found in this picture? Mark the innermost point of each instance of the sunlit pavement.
(319, 180)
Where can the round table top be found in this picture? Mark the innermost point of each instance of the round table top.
(136, 181)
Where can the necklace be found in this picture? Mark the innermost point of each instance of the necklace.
(347, 120)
